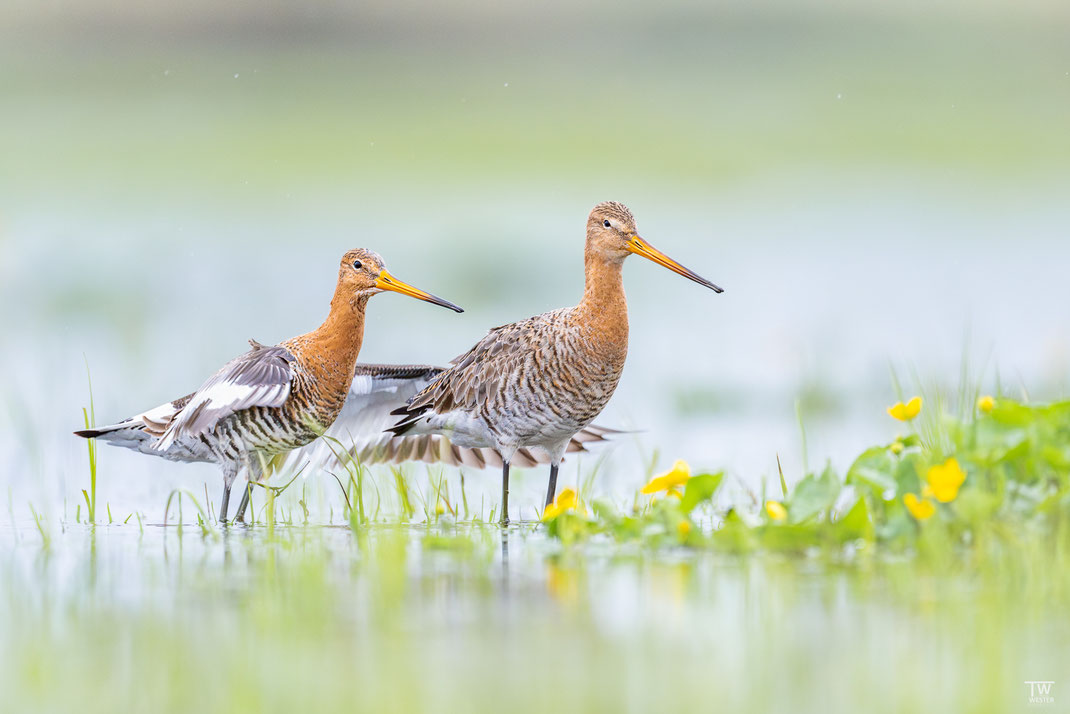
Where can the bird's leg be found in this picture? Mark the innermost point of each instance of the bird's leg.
(556, 454)
(225, 503)
(230, 471)
(239, 517)
(551, 487)
(254, 472)
(504, 521)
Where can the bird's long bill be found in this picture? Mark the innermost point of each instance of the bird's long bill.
(640, 247)
(386, 281)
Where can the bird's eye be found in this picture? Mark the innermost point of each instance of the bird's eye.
(357, 265)
(606, 224)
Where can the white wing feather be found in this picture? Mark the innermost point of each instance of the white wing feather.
(261, 377)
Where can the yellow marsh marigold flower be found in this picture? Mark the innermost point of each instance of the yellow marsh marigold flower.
(945, 479)
(565, 501)
(905, 412)
(776, 510)
(671, 480)
(986, 404)
(921, 509)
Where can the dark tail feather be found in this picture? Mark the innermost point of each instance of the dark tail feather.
(401, 427)
(398, 371)
(408, 420)
(101, 431)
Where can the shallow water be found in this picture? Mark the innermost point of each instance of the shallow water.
(471, 619)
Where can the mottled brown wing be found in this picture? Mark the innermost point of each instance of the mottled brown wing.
(473, 375)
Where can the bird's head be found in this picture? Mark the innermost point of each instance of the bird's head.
(612, 236)
(362, 274)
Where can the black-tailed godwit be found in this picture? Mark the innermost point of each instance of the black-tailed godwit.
(535, 384)
(271, 399)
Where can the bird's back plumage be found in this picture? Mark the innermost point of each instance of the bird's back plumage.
(531, 383)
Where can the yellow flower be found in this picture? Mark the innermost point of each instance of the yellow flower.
(671, 480)
(684, 529)
(945, 479)
(922, 510)
(986, 404)
(439, 508)
(565, 501)
(896, 447)
(905, 412)
(776, 510)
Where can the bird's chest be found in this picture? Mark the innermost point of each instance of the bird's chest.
(565, 383)
(599, 356)
(315, 402)
(318, 398)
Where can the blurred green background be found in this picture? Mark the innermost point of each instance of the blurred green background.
(872, 184)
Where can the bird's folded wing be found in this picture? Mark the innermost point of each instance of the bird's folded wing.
(473, 375)
(262, 377)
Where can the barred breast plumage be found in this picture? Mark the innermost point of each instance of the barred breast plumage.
(538, 382)
(535, 382)
(270, 399)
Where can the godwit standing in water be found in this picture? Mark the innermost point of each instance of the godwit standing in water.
(270, 399)
(536, 383)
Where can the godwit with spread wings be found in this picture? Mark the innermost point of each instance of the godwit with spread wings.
(271, 399)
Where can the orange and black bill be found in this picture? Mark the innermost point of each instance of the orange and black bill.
(386, 281)
(640, 247)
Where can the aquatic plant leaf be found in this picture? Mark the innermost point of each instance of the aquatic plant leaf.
(856, 523)
(813, 495)
(700, 489)
(875, 469)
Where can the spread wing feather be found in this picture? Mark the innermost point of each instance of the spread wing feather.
(376, 390)
(262, 377)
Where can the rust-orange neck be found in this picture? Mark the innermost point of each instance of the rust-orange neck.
(604, 305)
(335, 345)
